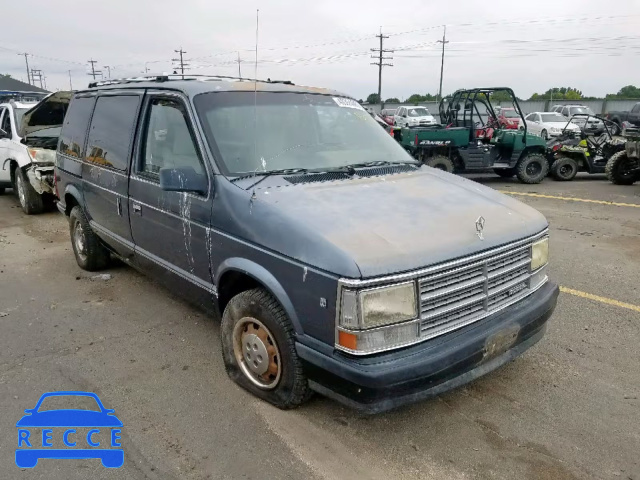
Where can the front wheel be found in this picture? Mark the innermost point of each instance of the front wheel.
(258, 349)
(90, 253)
(623, 170)
(30, 200)
(532, 168)
(441, 163)
(564, 169)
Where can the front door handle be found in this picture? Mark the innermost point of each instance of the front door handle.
(137, 208)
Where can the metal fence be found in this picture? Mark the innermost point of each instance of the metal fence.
(598, 106)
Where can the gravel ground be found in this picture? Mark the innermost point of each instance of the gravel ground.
(567, 409)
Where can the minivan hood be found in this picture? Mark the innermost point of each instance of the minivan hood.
(47, 113)
(400, 222)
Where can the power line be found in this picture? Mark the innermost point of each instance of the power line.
(380, 63)
(182, 65)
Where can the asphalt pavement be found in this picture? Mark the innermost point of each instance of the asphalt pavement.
(569, 408)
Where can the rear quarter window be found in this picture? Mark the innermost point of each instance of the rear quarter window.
(76, 123)
(112, 130)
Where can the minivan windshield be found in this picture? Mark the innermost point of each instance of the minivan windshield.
(418, 112)
(269, 131)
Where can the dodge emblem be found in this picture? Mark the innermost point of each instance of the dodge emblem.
(480, 227)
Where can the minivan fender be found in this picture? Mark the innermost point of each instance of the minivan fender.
(264, 277)
(75, 193)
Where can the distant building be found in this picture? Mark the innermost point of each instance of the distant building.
(10, 88)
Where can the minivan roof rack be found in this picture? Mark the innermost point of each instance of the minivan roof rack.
(173, 77)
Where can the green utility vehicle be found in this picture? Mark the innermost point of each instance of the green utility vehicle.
(470, 138)
(624, 167)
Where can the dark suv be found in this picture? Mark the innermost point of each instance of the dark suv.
(336, 262)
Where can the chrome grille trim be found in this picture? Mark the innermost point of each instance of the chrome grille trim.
(456, 297)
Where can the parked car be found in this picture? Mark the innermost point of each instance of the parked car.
(549, 125)
(632, 117)
(388, 114)
(28, 139)
(413, 117)
(338, 264)
(509, 118)
(589, 122)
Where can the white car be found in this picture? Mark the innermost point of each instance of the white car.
(413, 117)
(549, 124)
(28, 140)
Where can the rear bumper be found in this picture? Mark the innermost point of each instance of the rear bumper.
(382, 382)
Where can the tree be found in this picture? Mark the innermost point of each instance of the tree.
(5, 75)
(417, 98)
(392, 100)
(559, 93)
(373, 98)
(630, 91)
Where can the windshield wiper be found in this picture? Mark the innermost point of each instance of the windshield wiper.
(379, 163)
(269, 173)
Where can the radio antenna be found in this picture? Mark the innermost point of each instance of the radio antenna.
(255, 97)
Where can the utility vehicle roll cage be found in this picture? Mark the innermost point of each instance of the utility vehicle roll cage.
(450, 107)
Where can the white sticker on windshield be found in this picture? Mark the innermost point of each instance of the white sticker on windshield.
(347, 103)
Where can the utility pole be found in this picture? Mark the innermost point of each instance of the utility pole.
(94, 72)
(380, 63)
(443, 42)
(70, 84)
(36, 74)
(146, 68)
(45, 81)
(108, 70)
(239, 62)
(26, 60)
(182, 65)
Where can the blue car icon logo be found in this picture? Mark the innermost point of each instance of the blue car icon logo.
(64, 433)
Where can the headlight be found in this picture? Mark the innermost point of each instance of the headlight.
(378, 319)
(42, 155)
(539, 254)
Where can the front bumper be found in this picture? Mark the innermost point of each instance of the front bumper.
(385, 381)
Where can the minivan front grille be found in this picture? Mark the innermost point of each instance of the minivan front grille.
(467, 291)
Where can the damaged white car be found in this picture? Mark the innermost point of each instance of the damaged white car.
(28, 140)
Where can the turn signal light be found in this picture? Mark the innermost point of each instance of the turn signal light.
(347, 340)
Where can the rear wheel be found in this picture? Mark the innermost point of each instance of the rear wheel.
(564, 169)
(30, 200)
(532, 168)
(258, 349)
(1, 190)
(441, 163)
(623, 170)
(90, 253)
(505, 172)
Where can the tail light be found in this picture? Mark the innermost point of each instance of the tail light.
(416, 144)
(556, 148)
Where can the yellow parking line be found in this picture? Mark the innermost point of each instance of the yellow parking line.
(608, 301)
(571, 199)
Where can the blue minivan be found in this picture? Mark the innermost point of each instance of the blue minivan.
(337, 263)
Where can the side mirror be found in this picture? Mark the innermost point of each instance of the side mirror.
(183, 179)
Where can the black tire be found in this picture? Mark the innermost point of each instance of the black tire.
(30, 200)
(544, 135)
(532, 168)
(505, 172)
(618, 169)
(2, 190)
(90, 254)
(289, 387)
(564, 169)
(441, 163)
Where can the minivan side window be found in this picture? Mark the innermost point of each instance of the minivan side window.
(74, 130)
(111, 130)
(6, 122)
(168, 140)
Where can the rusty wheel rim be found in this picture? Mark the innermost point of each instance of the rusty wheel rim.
(257, 353)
